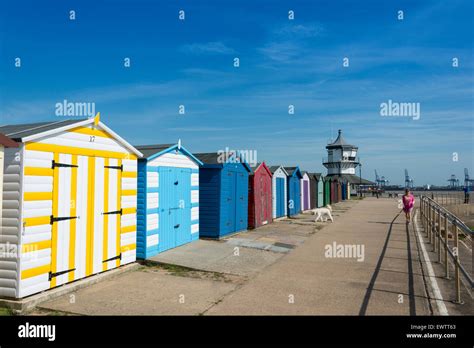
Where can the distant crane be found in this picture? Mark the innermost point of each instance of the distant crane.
(408, 180)
(467, 182)
(453, 182)
(384, 181)
(381, 181)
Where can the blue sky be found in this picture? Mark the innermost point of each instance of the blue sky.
(282, 62)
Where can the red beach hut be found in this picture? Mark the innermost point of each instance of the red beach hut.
(260, 196)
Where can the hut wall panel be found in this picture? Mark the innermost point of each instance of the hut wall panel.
(279, 174)
(1, 184)
(71, 139)
(234, 186)
(173, 160)
(194, 179)
(320, 188)
(260, 186)
(294, 195)
(144, 178)
(155, 233)
(209, 201)
(194, 196)
(305, 192)
(39, 159)
(34, 187)
(313, 186)
(34, 285)
(251, 204)
(11, 226)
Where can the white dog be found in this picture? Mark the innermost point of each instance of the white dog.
(323, 213)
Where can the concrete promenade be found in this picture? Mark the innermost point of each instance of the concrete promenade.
(368, 262)
(387, 281)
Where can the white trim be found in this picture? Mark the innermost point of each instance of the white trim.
(22, 151)
(56, 130)
(434, 284)
(79, 124)
(121, 140)
(282, 168)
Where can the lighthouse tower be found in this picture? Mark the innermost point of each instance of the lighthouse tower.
(342, 157)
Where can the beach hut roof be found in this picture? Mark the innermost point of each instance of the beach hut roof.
(32, 131)
(273, 169)
(213, 159)
(317, 176)
(152, 151)
(7, 142)
(256, 166)
(293, 171)
(20, 131)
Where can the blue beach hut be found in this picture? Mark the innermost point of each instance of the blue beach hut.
(344, 190)
(223, 194)
(167, 198)
(294, 190)
(320, 190)
(279, 191)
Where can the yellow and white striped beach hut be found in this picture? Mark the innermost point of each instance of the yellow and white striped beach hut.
(69, 207)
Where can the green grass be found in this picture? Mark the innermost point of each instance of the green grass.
(172, 269)
(182, 271)
(5, 312)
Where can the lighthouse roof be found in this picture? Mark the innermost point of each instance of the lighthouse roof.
(340, 142)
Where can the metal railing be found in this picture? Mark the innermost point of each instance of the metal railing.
(448, 198)
(437, 222)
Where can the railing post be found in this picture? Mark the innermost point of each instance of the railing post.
(431, 222)
(434, 229)
(456, 265)
(446, 263)
(439, 236)
(425, 226)
(428, 235)
(421, 211)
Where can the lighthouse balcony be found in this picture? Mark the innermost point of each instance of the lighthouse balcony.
(352, 160)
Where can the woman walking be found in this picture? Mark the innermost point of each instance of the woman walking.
(408, 203)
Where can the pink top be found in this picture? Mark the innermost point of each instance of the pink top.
(408, 202)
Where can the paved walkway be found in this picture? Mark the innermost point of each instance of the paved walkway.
(378, 272)
(388, 280)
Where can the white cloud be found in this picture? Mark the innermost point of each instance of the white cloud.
(301, 31)
(215, 47)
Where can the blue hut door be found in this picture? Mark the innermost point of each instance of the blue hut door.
(280, 197)
(296, 195)
(174, 224)
(182, 210)
(293, 196)
(167, 198)
(229, 209)
(241, 187)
